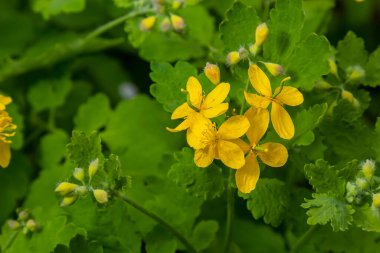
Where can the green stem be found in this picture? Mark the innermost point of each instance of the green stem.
(230, 212)
(159, 220)
(302, 240)
(10, 241)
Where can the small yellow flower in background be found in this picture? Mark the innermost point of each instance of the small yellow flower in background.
(274, 69)
(212, 72)
(210, 106)
(355, 73)
(147, 23)
(65, 188)
(210, 143)
(287, 95)
(333, 67)
(261, 35)
(4, 101)
(350, 98)
(376, 200)
(101, 196)
(177, 22)
(233, 58)
(7, 129)
(69, 200)
(272, 154)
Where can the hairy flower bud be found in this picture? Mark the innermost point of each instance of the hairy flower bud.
(101, 196)
(31, 225)
(233, 58)
(368, 168)
(177, 22)
(212, 72)
(93, 168)
(350, 97)
(65, 188)
(333, 67)
(376, 200)
(147, 23)
(23, 215)
(254, 49)
(355, 73)
(69, 200)
(79, 174)
(13, 224)
(261, 35)
(274, 69)
(81, 190)
(362, 183)
(165, 24)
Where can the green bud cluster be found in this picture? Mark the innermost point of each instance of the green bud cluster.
(24, 222)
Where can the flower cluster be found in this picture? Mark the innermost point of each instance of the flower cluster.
(7, 129)
(227, 142)
(24, 222)
(167, 22)
(71, 191)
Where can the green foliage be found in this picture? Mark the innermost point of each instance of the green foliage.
(53, 7)
(349, 44)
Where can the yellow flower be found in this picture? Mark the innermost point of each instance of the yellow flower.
(210, 143)
(233, 58)
(66, 188)
(177, 22)
(7, 129)
(101, 196)
(4, 101)
(287, 95)
(147, 23)
(272, 154)
(212, 72)
(210, 106)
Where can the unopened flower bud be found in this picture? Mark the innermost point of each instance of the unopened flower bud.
(31, 225)
(333, 67)
(177, 4)
(165, 24)
(233, 58)
(212, 72)
(262, 32)
(81, 190)
(243, 53)
(93, 168)
(177, 22)
(69, 200)
(376, 200)
(13, 224)
(23, 215)
(274, 69)
(322, 85)
(355, 73)
(101, 196)
(254, 49)
(65, 188)
(368, 168)
(79, 174)
(362, 183)
(147, 23)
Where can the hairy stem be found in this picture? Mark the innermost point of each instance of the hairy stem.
(302, 240)
(159, 220)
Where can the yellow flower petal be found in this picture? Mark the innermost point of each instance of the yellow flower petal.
(5, 100)
(289, 96)
(194, 89)
(201, 132)
(242, 144)
(246, 177)
(215, 111)
(230, 154)
(233, 128)
(276, 154)
(259, 80)
(204, 157)
(282, 122)
(256, 100)
(181, 111)
(183, 126)
(5, 154)
(217, 95)
(259, 120)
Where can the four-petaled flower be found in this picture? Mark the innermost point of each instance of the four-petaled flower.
(210, 143)
(272, 154)
(281, 121)
(210, 106)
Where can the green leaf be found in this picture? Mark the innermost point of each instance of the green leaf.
(50, 8)
(305, 121)
(239, 27)
(375, 146)
(308, 62)
(84, 148)
(168, 83)
(122, 3)
(285, 26)
(324, 208)
(206, 183)
(52, 148)
(351, 51)
(93, 114)
(80, 245)
(372, 69)
(160, 240)
(368, 218)
(317, 15)
(269, 200)
(49, 93)
(204, 234)
(324, 178)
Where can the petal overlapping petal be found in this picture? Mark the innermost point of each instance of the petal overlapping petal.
(230, 154)
(289, 95)
(246, 177)
(234, 127)
(275, 155)
(181, 111)
(204, 157)
(282, 122)
(216, 96)
(259, 80)
(256, 100)
(259, 120)
(215, 111)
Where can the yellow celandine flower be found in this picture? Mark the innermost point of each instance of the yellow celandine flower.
(284, 95)
(210, 106)
(272, 154)
(210, 143)
(4, 101)
(7, 129)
